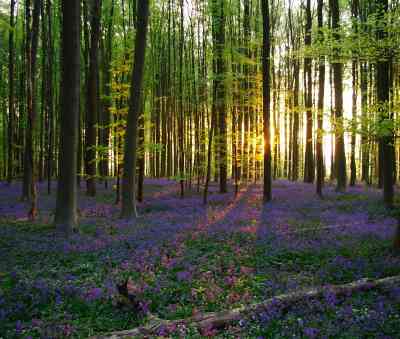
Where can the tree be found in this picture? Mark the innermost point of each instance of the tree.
(92, 99)
(66, 215)
(49, 96)
(321, 97)
(11, 100)
(340, 157)
(354, 74)
(218, 28)
(386, 141)
(309, 169)
(267, 196)
(130, 151)
(32, 36)
(104, 133)
(181, 145)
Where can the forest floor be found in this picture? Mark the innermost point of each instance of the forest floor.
(183, 259)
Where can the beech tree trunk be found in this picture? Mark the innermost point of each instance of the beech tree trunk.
(267, 196)
(340, 156)
(92, 99)
(296, 122)
(66, 213)
(309, 168)
(181, 146)
(104, 134)
(130, 152)
(29, 185)
(11, 100)
(365, 156)
(354, 71)
(386, 141)
(321, 98)
(49, 96)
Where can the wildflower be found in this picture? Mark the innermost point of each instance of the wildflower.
(311, 332)
(18, 327)
(184, 276)
(94, 294)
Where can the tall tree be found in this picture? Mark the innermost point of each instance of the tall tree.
(130, 151)
(11, 100)
(296, 88)
(218, 31)
(386, 141)
(354, 74)
(92, 99)
(104, 133)
(181, 145)
(66, 213)
(321, 98)
(309, 168)
(32, 37)
(267, 196)
(49, 95)
(340, 156)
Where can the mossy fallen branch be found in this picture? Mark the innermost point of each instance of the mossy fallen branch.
(219, 320)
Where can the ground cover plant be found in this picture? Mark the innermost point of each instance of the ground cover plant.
(183, 259)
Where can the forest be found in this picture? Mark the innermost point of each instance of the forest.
(199, 169)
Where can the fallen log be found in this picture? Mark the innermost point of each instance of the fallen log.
(218, 320)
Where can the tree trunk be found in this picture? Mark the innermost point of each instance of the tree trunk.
(364, 125)
(296, 122)
(130, 152)
(29, 185)
(309, 169)
(107, 103)
(181, 118)
(353, 164)
(209, 156)
(218, 27)
(92, 100)
(383, 93)
(66, 214)
(267, 196)
(340, 156)
(321, 97)
(11, 100)
(354, 68)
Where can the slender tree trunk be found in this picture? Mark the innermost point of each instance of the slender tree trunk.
(267, 196)
(354, 68)
(66, 206)
(105, 110)
(309, 169)
(11, 100)
(209, 156)
(296, 122)
(30, 192)
(219, 84)
(92, 99)
(321, 98)
(364, 137)
(340, 157)
(130, 152)
(353, 164)
(383, 96)
(181, 118)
